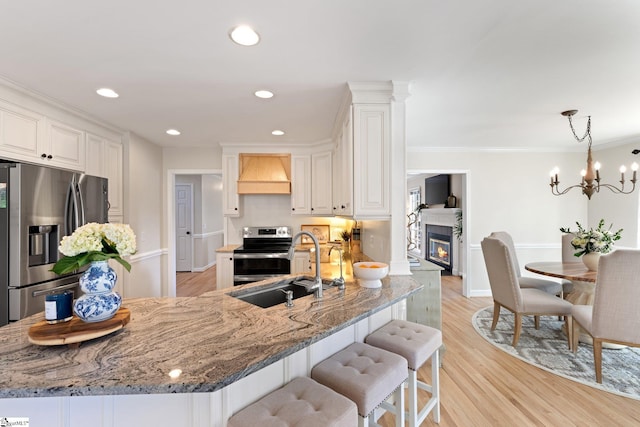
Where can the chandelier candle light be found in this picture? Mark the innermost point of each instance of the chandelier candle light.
(591, 175)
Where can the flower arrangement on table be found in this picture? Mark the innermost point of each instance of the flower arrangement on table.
(95, 242)
(589, 241)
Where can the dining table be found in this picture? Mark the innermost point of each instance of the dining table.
(584, 285)
(584, 280)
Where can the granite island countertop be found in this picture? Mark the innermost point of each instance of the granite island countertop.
(214, 339)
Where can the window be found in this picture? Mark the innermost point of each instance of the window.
(415, 229)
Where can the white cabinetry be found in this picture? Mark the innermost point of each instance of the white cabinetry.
(311, 184)
(64, 146)
(104, 159)
(28, 136)
(301, 263)
(301, 184)
(343, 170)
(224, 270)
(321, 183)
(21, 133)
(231, 200)
(371, 161)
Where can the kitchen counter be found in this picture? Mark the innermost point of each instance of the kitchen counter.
(214, 339)
(227, 248)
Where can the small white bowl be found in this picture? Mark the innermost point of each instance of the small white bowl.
(370, 273)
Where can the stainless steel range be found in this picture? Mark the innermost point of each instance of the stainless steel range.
(263, 254)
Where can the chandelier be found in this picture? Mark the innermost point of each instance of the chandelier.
(591, 175)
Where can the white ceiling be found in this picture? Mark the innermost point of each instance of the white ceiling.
(483, 73)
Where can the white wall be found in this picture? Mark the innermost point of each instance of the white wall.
(144, 212)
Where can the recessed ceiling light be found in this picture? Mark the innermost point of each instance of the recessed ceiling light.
(107, 93)
(244, 35)
(277, 132)
(173, 132)
(264, 94)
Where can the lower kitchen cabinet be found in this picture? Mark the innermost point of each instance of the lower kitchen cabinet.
(301, 263)
(224, 270)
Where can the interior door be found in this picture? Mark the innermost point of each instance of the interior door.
(184, 196)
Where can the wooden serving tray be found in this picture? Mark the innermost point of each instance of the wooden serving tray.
(75, 331)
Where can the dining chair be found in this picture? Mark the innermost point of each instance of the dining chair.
(507, 292)
(614, 316)
(549, 286)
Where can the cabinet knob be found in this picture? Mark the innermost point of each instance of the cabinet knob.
(311, 208)
(43, 155)
(188, 232)
(343, 206)
(235, 209)
(293, 209)
(49, 157)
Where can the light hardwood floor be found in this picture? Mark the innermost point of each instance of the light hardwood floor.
(483, 386)
(195, 284)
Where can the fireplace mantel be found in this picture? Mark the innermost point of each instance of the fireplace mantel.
(443, 216)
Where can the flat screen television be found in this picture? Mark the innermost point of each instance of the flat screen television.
(436, 189)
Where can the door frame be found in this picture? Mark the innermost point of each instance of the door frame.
(191, 220)
(170, 289)
(466, 194)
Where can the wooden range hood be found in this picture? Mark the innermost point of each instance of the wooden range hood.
(264, 173)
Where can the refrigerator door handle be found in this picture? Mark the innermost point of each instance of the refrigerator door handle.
(68, 210)
(54, 290)
(80, 206)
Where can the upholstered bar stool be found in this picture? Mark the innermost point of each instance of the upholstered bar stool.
(416, 343)
(301, 402)
(368, 376)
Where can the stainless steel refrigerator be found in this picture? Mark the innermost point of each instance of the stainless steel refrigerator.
(39, 206)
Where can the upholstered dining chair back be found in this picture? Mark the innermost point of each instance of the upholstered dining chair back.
(506, 238)
(502, 273)
(568, 250)
(615, 306)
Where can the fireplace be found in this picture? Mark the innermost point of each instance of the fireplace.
(438, 246)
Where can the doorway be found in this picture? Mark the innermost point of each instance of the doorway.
(415, 179)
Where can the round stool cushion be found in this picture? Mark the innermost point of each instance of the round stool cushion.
(413, 341)
(363, 373)
(301, 402)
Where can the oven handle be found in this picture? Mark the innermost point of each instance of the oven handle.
(54, 290)
(283, 255)
(256, 277)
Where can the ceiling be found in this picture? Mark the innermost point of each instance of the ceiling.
(490, 73)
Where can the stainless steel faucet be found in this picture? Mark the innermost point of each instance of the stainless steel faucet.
(339, 281)
(317, 286)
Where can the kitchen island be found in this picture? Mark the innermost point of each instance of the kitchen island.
(227, 352)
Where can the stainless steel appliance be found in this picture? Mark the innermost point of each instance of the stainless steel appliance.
(263, 254)
(38, 206)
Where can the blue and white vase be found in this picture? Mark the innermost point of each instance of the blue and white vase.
(99, 301)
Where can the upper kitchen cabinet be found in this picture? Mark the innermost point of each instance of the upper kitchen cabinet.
(64, 146)
(343, 170)
(371, 161)
(21, 133)
(311, 184)
(230, 174)
(30, 137)
(104, 159)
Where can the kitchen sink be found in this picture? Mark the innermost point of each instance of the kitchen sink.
(274, 293)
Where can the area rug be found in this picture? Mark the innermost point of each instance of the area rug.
(547, 349)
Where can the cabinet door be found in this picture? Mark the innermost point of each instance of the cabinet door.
(301, 263)
(301, 185)
(321, 182)
(21, 133)
(230, 200)
(95, 156)
(65, 146)
(371, 161)
(113, 172)
(224, 270)
(344, 198)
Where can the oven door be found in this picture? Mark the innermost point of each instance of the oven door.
(255, 266)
